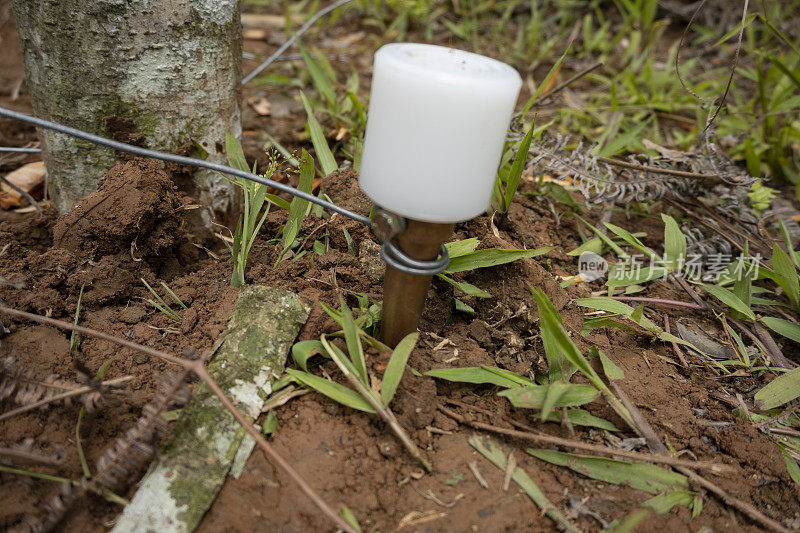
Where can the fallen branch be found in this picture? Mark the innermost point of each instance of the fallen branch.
(21, 454)
(674, 344)
(199, 369)
(595, 448)
(662, 301)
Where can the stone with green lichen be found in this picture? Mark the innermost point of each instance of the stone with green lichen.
(178, 489)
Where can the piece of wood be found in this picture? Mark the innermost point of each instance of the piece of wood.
(179, 488)
(29, 178)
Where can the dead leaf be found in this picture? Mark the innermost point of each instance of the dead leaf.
(255, 20)
(254, 34)
(261, 106)
(672, 155)
(29, 178)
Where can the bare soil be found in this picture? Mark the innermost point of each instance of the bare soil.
(134, 227)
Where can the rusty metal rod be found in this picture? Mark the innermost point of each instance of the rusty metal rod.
(403, 293)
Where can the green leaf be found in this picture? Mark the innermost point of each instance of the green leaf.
(477, 375)
(560, 194)
(786, 274)
(790, 330)
(581, 417)
(463, 286)
(350, 518)
(555, 391)
(508, 374)
(610, 369)
(496, 456)
(730, 299)
(594, 245)
(396, 366)
(642, 476)
(304, 350)
(334, 391)
(464, 308)
(674, 244)
(318, 77)
(490, 257)
(742, 286)
(545, 82)
(779, 391)
(535, 396)
(561, 352)
(623, 275)
(591, 323)
(624, 141)
(614, 306)
(791, 465)
(298, 207)
(664, 502)
(603, 237)
(629, 238)
(630, 522)
(270, 424)
(459, 248)
(353, 341)
(324, 154)
(235, 154)
(514, 175)
(787, 241)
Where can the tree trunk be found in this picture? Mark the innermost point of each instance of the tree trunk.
(158, 73)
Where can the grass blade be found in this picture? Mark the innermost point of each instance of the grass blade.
(730, 299)
(514, 175)
(647, 477)
(790, 330)
(674, 244)
(476, 375)
(547, 397)
(334, 391)
(397, 364)
(779, 391)
(490, 257)
(304, 350)
(465, 287)
(235, 154)
(353, 341)
(324, 154)
(496, 456)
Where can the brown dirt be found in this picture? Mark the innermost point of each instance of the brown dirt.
(131, 228)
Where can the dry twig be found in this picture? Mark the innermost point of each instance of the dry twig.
(198, 368)
(717, 468)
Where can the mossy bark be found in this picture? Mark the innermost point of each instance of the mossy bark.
(181, 486)
(170, 71)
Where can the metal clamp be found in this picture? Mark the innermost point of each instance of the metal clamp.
(386, 226)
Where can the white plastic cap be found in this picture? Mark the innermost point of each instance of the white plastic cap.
(437, 122)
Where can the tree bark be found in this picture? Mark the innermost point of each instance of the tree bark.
(159, 73)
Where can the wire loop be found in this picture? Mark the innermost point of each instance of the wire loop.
(393, 256)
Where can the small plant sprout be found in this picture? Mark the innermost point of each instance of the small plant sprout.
(435, 133)
(162, 305)
(299, 208)
(255, 198)
(367, 394)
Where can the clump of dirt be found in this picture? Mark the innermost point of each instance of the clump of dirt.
(136, 208)
(342, 187)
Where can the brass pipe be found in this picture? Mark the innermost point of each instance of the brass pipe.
(403, 293)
